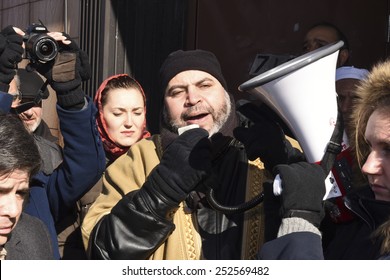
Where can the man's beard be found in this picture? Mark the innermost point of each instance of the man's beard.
(219, 117)
(32, 127)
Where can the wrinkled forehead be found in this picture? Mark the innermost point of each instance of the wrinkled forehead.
(17, 178)
(347, 83)
(191, 77)
(378, 125)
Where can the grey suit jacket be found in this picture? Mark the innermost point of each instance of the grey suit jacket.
(29, 240)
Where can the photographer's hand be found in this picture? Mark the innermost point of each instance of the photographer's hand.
(7, 34)
(66, 72)
(11, 52)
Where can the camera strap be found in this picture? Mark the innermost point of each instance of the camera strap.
(28, 105)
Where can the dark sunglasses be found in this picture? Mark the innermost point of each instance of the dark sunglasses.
(28, 105)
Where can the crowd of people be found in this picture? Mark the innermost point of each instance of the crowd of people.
(202, 188)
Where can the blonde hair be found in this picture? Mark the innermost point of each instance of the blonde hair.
(373, 94)
(383, 234)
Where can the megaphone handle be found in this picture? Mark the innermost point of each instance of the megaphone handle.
(277, 185)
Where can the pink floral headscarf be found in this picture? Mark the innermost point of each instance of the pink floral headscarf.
(113, 151)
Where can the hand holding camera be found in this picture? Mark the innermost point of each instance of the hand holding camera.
(69, 68)
(11, 52)
(40, 47)
(59, 59)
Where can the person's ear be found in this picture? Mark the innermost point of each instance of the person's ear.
(343, 57)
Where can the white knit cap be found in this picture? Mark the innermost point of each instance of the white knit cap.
(350, 72)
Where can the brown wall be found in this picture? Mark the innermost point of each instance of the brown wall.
(236, 30)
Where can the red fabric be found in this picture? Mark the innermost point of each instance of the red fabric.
(113, 151)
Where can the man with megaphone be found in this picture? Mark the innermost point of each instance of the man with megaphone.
(186, 193)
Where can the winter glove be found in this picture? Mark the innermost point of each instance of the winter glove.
(11, 52)
(303, 190)
(265, 139)
(184, 164)
(66, 72)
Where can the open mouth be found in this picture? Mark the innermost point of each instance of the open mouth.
(197, 117)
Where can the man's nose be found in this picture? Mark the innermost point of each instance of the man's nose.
(10, 206)
(193, 96)
(28, 112)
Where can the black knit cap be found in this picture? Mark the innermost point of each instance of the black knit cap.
(179, 61)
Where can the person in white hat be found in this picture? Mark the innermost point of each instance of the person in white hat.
(347, 79)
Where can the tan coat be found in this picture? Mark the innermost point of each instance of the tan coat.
(129, 172)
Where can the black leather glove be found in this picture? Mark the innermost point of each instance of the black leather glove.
(303, 189)
(265, 139)
(11, 52)
(66, 72)
(184, 164)
(142, 220)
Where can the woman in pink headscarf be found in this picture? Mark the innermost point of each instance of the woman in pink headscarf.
(121, 121)
(121, 116)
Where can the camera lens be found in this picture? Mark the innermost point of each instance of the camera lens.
(45, 49)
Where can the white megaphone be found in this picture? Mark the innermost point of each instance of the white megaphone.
(302, 92)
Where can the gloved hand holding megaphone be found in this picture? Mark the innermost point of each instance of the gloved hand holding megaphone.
(303, 186)
(264, 138)
(302, 92)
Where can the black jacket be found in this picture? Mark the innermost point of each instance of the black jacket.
(353, 240)
(29, 240)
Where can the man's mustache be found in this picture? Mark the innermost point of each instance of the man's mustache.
(196, 110)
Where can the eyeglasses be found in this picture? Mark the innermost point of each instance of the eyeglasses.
(29, 104)
(15, 96)
(29, 99)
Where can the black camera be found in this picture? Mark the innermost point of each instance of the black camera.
(40, 47)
